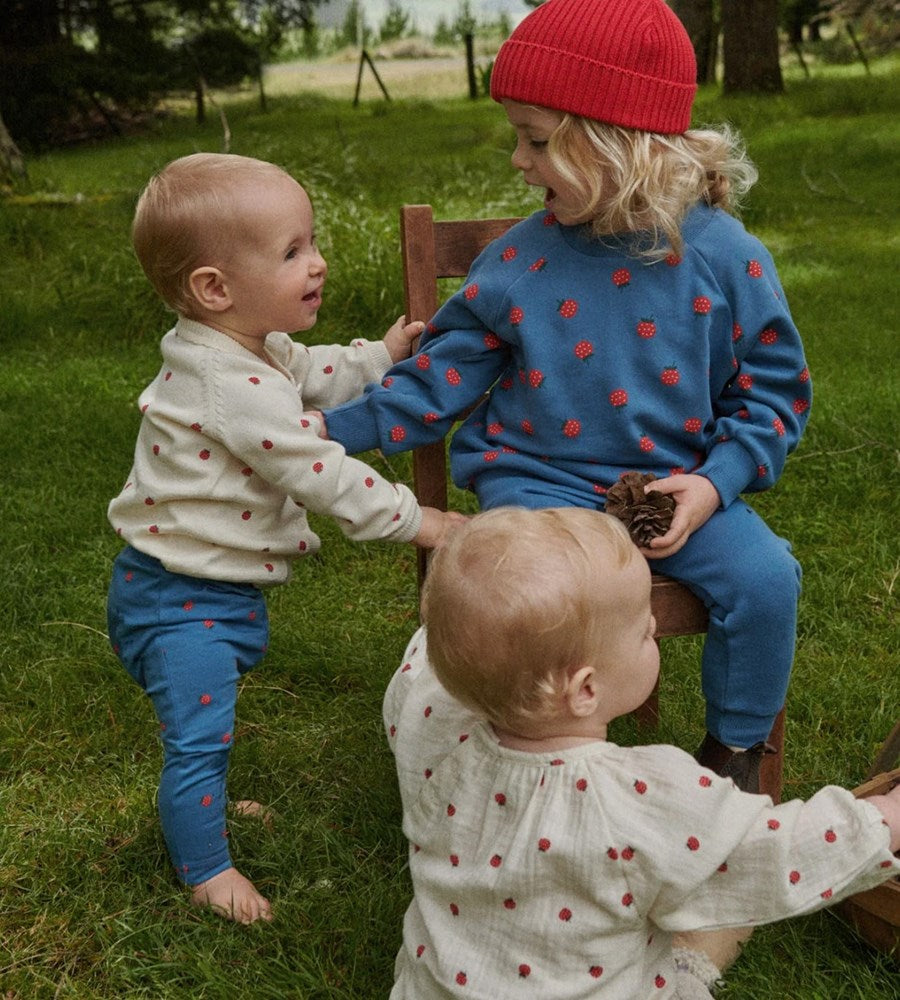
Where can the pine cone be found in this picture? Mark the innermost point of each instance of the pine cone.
(645, 515)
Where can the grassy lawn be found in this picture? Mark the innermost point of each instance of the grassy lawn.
(88, 908)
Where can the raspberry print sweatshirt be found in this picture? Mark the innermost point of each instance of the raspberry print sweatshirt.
(597, 363)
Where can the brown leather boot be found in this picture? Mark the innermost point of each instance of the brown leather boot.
(742, 766)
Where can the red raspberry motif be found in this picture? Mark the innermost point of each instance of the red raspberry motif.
(527, 426)
(826, 894)
(669, 376)
(773, 824)
(627, 899)
(567, 308)
(509, 904)
(423, 362)
(204, 455)
(673, 260)
(524, 971)
(621, 277)
(762, 471)
(754, 268)
(612, 854)
(454, 909)
(583, 350)
(768, 336)
(516, 315)
(197, 427)
(246, 515)
(454, 860)
(596, 971)
(453, 376)
(495, 429)
(538, 265)
(693, 425)
(737, 331)
(745, 382)
(206, 801)
(267, 444)
(398, 433)
(571, 428)
(627, 853)
(328, 370)
(794, 877)
(509, 254)
(535, 378)
(496, 861)
(388, 382)
(565, 914)
(500, 799)
(461, 979)
(779, 426)
(693, 844)
(430, 418)
(549, 219)
(491, 456)
(804, 375)
(420, 951)
(544, 845)
(471, 291)
(491, 341)
(646, 444)
(830, 836)
(660, 981)
(705, 781)
(253, 380)
(317, 467)
(800, 406)
(640, 786)
(581, 784)
(743, 413)
(702, 305)
(646, 328)
(618, 397)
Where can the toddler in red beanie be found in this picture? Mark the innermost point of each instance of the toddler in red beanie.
(630, 324)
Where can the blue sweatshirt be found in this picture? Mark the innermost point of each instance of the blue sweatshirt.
(597, 363)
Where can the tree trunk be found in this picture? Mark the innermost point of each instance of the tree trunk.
(750, 47)
(698, 21)
(12, 164)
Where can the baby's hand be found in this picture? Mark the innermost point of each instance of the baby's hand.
(437, 526)
(319, 416)
(696, 500)
(398, 340)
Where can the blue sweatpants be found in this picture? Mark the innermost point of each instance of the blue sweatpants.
(747, 578)
(187, 641)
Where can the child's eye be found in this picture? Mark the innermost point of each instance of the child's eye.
(538, 143)
(291, 254)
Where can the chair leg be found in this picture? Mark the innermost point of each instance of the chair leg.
(771, 770)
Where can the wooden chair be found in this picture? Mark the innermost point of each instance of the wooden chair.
(432, 250)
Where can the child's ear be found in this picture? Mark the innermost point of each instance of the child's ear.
(207, 285)
(582, 691)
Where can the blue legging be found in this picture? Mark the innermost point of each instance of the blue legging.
(187, 641)
(747, 578)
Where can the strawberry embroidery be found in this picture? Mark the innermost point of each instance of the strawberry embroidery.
(618, 398)
(516, 315)
(670, 376)
(471, 291)
(595, 971)
(584, 349)
(535, 378)
(702, 305)
(621, 277)
(646, 328)
(754, 268)
(538, 265)
(453, 376)
(423, 362)
(768, 336)
(509, 254)
(398, 433)
(491, 341)
(571, 428)
(567, 308)
(693, 425)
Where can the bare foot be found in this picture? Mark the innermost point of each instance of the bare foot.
(232, 896)
(247, 807)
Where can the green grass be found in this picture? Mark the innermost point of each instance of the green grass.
(89, 909)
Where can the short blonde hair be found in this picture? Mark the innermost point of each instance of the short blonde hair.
(192, 214)
(643, 182)
(516, 598)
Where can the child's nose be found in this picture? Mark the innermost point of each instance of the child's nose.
(519, 158)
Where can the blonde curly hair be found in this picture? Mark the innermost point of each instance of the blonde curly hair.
(644, 182)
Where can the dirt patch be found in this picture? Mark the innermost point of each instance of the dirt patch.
(428, 79)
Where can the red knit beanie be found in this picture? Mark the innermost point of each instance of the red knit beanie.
(626, 62)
